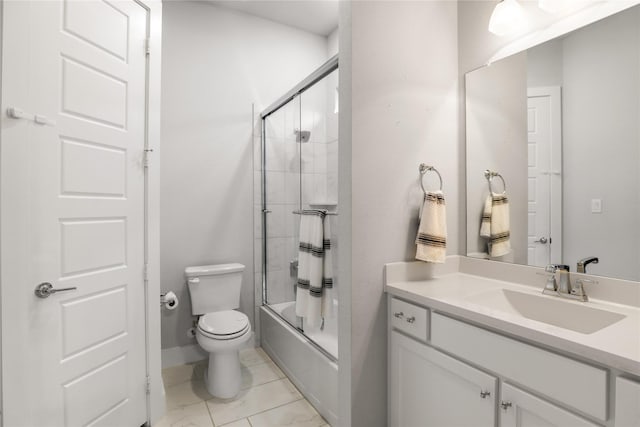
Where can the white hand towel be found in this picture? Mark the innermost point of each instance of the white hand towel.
(311, 266)
(431, 240)
(496, 216)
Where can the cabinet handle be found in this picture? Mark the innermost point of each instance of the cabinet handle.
(484, 394)
(411, 319)
(505, 405)
(399, 315)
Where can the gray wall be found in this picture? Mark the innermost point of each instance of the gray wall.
(404, 94)
(216, 63)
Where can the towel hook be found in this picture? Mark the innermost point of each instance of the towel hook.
(489, 175)
(423, 170)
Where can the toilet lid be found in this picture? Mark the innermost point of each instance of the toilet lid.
(224, 324)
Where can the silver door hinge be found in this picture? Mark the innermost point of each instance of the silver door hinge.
(147, 153)
(148, 385)
(146, 272)
(147, 46)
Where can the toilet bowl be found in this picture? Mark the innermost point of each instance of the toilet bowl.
(222, 334)
(222, 330)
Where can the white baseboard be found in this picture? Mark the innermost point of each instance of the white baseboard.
(191, 353)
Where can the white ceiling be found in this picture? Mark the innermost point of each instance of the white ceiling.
(316, 16)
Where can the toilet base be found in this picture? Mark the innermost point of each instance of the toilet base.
(223, 378)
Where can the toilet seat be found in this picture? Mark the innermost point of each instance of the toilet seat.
(224, 325)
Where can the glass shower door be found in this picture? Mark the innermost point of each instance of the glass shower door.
(281, 197)
(300, 171)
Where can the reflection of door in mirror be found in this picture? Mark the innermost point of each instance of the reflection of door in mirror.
(544, 235)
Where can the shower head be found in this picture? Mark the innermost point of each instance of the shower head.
(302, 135)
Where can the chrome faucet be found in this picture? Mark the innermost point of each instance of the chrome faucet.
(564, 284)
(293, 267)
(582, 264)
(554, 288)
(562, 287)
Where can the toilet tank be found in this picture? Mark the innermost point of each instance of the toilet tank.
(214, 287)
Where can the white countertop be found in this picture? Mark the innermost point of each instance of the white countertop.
(616, 346)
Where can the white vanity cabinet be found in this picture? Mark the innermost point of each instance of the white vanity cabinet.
(429, 388)
(574, 384)
(453, 373)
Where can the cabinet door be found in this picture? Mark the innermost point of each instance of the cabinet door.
(627, 403)
(431, 389)
(521, 409)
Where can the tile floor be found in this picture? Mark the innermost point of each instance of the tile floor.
(267, 399)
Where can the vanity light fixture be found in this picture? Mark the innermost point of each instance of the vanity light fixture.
(506, 18)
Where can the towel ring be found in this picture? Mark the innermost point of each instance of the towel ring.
(423, 170)
(490, 175)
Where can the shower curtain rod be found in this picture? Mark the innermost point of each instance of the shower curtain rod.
(305, 84)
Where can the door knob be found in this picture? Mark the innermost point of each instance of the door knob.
(542, 240)
(43, 290)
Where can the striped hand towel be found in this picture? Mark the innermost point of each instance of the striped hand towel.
(495, 225)
(315, 283)
(485, 225)
(327, 271)
(431, 240)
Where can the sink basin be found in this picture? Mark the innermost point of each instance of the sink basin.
(547, 309)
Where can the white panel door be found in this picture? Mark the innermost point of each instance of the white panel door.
(521, 409)
(544, 237)
(428, 388)
(72, 213)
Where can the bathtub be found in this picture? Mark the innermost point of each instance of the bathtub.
(313, 371)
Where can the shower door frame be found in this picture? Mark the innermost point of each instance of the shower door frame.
(324, 70)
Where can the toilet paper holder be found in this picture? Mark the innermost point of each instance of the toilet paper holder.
(169, 300)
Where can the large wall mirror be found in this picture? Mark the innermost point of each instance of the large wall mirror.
(560, 124)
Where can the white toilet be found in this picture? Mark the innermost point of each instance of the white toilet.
(222, 330)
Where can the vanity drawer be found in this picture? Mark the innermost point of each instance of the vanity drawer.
(409, 318)
(573, 383)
